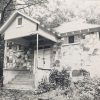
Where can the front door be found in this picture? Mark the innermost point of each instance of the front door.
(43, 58)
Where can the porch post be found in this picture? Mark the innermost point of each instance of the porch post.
(37, 48)
(36, 62)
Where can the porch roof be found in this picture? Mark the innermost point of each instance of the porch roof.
(78, 26)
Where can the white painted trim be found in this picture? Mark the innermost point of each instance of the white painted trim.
(69, 44)
(46, 34)
(31, 33)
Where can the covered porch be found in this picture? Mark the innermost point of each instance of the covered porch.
(28, 47)
(27, 60)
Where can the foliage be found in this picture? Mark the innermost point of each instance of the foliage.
(87, 89)
(86, 96)
(57, 79)
(55, 12)
(60, 78)
(52, 13)
(45, 86)
(6, 7)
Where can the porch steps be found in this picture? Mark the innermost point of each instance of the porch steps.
(22, 81)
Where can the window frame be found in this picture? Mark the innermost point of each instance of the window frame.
(71, 41)
(99, 35)
(19, 21)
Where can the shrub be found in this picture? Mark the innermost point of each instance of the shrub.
(56, 79)
(60, 78)
(88, 89)
(45, 86)
(86, 96)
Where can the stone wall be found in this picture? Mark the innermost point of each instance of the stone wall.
(85, 54)
(91, 53)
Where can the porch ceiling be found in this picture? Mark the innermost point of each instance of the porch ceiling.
(32, 40)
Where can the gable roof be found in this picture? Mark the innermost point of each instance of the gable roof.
(75, 26)
(12, 17)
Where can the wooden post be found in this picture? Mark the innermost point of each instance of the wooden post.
(36, 60)
(37, 49)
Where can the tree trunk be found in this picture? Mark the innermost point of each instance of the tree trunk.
(3, 13)
(1, 60)
(2, 18)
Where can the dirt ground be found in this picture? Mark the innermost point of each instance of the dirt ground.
(58, 94)
(9, 94)
(6, 94)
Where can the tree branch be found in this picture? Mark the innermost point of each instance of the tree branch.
(7, 4)
(3, 13)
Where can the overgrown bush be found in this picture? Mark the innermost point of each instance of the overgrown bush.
(86, 96)
(86, 89)
(56, 79)
(45, 86)
(60, 78)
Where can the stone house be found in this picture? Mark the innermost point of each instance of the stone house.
(31, 51)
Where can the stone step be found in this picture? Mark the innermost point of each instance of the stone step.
(22, 80)
(21, 83)
(19, 87)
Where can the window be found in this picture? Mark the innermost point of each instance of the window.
(99, 35)
(83, 36)
(71, 39)
(20, 47)
(19, 21)
(10, 45)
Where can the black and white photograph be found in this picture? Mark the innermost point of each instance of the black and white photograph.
(49, 49)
